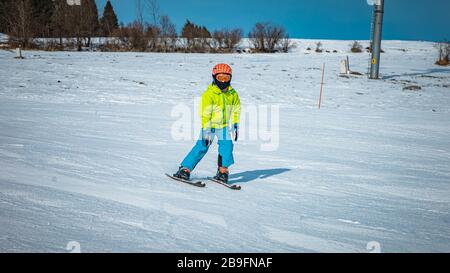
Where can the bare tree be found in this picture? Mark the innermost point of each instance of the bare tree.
(24, 21)
(286, 44)
(139, 12)
(4, 14)
(168, 33)
(152, 33)
(153, 8)
(122, 42)
(218, 38)
(6, 20)
(137, 37)
(137, 30)
(266, 37)
(444, 53)
(356, 47)
(319, 47)
(226, 40)
(274, 35)
(19, 20)
(257, 37)
(232, 38)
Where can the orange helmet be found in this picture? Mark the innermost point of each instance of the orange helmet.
(221, 68)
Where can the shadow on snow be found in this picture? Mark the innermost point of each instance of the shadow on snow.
(249, 176)
(419, 73)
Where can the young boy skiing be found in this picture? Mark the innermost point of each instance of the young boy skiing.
(220, 110)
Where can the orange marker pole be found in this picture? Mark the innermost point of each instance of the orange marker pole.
(321, 86)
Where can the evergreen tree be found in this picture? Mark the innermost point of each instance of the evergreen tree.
(42, 11)
(204, 33)
(109, 21)
(59, 22)
(187, 30)
(5, 8)
(191, 30)
(196, 36)
(89, 15)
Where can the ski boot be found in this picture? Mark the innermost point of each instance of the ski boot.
(183, 173)
(222, 175)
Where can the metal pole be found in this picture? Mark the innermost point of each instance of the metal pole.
(321, 86)
(376, 39)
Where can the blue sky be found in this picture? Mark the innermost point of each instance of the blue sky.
(315, 19)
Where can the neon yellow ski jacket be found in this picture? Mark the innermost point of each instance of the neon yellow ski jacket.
(217, 108)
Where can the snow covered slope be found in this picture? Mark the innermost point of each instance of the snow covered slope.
(85, 140)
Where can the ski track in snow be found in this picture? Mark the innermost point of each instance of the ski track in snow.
(85, 140)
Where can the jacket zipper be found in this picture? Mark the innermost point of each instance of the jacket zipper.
(224, 122)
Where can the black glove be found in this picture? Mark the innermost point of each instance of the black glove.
(207, 140)
(208, 136)
(235, 131)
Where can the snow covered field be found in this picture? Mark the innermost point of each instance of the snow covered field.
(85, 140)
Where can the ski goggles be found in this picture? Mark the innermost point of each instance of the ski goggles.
(223, 77)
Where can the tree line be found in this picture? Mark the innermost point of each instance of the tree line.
(55, 25)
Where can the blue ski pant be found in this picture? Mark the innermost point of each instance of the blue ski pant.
(200, 149)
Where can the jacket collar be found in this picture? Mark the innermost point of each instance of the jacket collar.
(217, 90)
